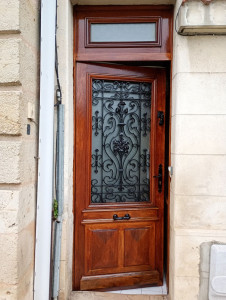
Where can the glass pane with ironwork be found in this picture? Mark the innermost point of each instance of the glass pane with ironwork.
(121, 118)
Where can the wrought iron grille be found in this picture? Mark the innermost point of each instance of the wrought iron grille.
(121, 118)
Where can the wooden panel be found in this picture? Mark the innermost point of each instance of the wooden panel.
(103, 248)
(119, 280)
(123, 57)
(106, 216)
(120, 246)
(97, 212)
(137, 246)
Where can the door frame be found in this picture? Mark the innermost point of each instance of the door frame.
(137, 57)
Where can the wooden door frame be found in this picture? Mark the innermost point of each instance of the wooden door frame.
(137, 56)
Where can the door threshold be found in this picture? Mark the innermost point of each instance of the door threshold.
(151, 290)
(81, 295)
(157, 290)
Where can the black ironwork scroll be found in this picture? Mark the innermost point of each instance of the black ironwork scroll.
(121, 118)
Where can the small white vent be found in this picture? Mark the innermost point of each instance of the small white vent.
(217, 282)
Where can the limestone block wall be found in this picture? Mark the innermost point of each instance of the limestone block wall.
(19, 84)
(198, 189)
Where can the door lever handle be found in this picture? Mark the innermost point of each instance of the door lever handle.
(159, 176)
(126, 217)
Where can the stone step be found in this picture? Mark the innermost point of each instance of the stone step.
(78, 295)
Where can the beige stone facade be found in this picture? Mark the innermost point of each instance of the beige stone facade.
(19, 84)
(198, 150)
(198, 203)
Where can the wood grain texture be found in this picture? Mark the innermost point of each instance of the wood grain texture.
(103, 248)
(119, 280)
(136, 244)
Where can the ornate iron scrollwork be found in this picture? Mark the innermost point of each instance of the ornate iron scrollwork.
(121, 146)
(97, 122)
(120, 141)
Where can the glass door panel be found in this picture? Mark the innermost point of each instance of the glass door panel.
(121, 127)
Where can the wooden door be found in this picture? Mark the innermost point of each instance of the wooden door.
(119, 176)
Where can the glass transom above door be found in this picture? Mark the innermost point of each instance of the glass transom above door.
(123, 32)
(121, 126)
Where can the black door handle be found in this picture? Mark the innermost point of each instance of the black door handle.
(126, 217)
(159, 176)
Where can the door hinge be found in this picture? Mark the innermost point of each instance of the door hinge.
(160, 116)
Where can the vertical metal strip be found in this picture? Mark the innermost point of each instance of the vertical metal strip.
(60, 200)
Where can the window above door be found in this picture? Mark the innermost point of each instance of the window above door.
(122, 33)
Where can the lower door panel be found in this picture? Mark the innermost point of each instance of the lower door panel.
(120, 254)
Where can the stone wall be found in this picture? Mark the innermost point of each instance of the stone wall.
(19, 84)
(198, 189)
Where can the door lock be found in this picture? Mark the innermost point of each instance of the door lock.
(160, 116)
(159, 176)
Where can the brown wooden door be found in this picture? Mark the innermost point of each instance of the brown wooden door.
(119, 148)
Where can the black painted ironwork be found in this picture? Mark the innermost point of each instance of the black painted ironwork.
(116, 217)
(121, 118)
